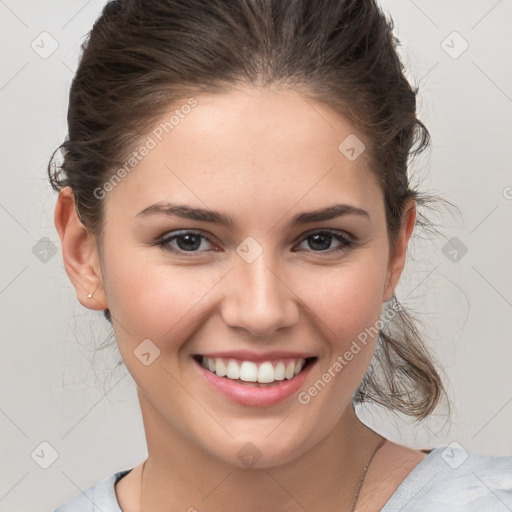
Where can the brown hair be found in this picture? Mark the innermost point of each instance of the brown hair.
(144, 55)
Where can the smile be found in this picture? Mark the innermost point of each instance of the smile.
(264, 372)
(255, 383)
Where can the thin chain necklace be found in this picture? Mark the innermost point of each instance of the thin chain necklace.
(356, 495)
(365, 469)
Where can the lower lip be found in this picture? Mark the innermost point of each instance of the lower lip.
(254, 396)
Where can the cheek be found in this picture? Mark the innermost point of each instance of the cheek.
(347, 301)
(151, 299)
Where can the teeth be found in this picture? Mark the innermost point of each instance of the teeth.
(279, 371)
(220, 368)
(290, 371)
(233, 370)
(266, 373)
(249, 371)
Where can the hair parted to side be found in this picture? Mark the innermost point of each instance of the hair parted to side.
(144, 56)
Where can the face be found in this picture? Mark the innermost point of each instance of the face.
(260, 282)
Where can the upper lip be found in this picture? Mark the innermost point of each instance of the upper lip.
(248, 355)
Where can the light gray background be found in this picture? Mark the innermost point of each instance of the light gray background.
(55, 390)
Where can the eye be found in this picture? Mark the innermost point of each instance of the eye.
(191, 241)
(320, 241)
(187, 241)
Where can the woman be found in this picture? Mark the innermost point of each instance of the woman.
(234, 195)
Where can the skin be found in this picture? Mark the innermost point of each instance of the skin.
(294, 296)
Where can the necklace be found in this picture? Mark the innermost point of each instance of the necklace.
(365, 469)
(356, 495)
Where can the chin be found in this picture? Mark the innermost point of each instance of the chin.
(267, 448)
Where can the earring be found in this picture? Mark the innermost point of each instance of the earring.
(89, 295)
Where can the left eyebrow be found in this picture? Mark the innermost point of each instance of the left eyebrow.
(204, 215)
(331, 212)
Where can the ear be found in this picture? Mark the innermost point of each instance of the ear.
(79, 252)
(397, 259)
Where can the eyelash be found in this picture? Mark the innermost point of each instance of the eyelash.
(346, 243)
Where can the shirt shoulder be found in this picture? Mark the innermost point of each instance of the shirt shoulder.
(101, 497)
(451, 479)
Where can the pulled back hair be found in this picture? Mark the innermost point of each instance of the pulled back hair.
(143, 56)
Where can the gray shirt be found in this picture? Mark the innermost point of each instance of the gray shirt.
(449, 479)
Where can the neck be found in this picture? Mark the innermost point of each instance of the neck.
(179, 475)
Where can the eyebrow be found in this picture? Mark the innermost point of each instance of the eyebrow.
(204, 215)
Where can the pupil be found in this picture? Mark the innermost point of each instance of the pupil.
(189, 246)
(326, 237)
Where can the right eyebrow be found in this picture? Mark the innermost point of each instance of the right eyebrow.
(187, 212)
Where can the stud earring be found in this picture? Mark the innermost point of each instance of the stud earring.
(89, 295)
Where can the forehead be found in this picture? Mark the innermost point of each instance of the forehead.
(252, 145)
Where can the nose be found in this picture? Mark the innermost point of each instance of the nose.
(259, 298)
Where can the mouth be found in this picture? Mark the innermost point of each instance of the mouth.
(254, 380)
(258, 374)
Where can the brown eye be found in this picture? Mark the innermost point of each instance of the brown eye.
(186, 241)
(320, 241)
